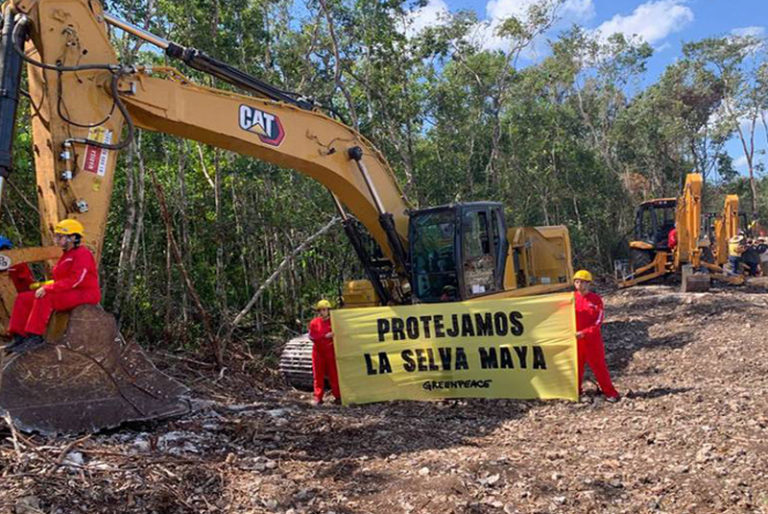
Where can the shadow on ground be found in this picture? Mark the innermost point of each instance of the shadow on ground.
(623, 339)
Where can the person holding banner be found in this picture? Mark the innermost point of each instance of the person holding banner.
(323, 356)
(591, 350)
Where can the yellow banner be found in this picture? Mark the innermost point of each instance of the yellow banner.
(513, 348)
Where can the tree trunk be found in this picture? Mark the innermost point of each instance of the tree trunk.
(129, 226)
(287, 260)
(337, 72)
(221, 290)
(213, 341)
(184, 223)
(140, 209)
(748, 145)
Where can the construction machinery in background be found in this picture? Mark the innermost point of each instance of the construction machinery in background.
(82, 98)
(721, 228)
(697, 254)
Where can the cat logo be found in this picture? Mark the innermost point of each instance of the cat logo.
(266, 126)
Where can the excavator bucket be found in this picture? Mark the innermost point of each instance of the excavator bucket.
(87, 380)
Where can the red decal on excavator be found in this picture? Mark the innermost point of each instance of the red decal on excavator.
(92, 158)
(95, 157)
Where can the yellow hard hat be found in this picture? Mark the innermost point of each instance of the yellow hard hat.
(69, 228)
(323, 304)
(583, 275)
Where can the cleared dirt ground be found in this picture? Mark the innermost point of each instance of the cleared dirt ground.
(690, 435)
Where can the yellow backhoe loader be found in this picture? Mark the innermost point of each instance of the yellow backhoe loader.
(723, 227)
(86, 377)
(698, 255)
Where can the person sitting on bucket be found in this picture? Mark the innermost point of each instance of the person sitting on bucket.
(323, 356)
(75, 282)
(589, 319)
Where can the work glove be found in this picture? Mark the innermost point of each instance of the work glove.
(34, 286)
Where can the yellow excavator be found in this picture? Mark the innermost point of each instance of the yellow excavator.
(86, 107)
(698, 255)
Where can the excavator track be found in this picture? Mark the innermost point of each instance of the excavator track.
(296, 363)
(87, 380)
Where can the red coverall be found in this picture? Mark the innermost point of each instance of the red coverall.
(589, 318)
(323, 358)
(672, 239)
(21, 276)
(75, 282)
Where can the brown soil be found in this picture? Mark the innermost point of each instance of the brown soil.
(690, 435)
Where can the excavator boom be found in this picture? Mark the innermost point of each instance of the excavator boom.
(86, 107)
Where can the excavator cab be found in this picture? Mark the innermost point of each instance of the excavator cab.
(458, 251)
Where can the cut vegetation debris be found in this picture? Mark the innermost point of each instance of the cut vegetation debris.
(690, 435)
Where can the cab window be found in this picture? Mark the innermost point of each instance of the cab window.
(433, 256)
(646, 224)
(478, 254)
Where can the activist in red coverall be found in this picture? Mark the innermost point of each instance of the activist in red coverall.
(323, 356)
(589, 319)
(75, 282)
(20, 274)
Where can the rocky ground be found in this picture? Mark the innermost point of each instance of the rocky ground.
(690, 435)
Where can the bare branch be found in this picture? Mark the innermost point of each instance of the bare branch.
(275, 274)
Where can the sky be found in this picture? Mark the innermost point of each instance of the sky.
(665, 24)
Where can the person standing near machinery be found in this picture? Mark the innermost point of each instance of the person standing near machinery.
(591, 350)
(323, 355)
(736, 248)
(75, 282)
(672, 239)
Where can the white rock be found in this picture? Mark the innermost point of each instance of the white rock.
(489, 480)
(74, 459)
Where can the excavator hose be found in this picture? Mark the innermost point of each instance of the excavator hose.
(117, 71)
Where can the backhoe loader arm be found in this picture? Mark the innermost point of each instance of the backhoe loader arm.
(726, 227)
(82, 97)
(688, 221)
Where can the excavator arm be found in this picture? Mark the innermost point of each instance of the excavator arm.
(86, 107)
(82, 99)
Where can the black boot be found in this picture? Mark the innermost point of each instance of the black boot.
(17, 340)
(29, 343)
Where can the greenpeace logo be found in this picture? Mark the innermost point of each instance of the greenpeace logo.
(265, 125)
(438, 385)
